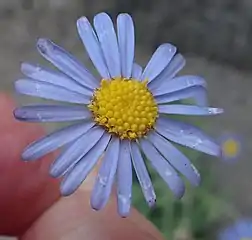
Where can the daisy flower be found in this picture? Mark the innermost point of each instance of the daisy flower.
(240, 230)
(122, 116)
(230, 147)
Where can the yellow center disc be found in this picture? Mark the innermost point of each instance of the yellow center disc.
(125, 107)
(230, 147)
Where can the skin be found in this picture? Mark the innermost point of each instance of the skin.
(30, 204)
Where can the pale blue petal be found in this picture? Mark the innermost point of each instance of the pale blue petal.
(198, 94)
(136, 71)
(80, 171)
(229, 235)
(54, 77)
(158, 62)
(187, 135)
(92, 46)
(105, 178)
(55, 140)
(188, 110)
(51, 113)
(239, 230)
(164, 169)
(107, 37)
(142, 175)
(176, 64)
(126, 42)
(66, 63)
(175, 157)
(49, 91)
(179, 83)
(243, 228)
(72, 154)
(124, 179)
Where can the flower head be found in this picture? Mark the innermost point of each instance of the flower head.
(240, 230)
(122, 116)
(230, 147)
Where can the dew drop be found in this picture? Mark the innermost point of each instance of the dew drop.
(102, 180)
(168, 173)
(195, 170)
(190, 82)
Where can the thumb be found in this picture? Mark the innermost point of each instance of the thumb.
(72, 218)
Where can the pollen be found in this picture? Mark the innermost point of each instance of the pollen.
(124, 107)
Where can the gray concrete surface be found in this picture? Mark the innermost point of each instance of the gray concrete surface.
(228, 87)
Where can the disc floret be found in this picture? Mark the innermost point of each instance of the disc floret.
(125, 107)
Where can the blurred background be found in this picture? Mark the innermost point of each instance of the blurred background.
(215, 36)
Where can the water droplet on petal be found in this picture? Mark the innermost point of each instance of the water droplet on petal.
(195, 170)
(190, 82)
(102, 180)
(168, 173)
